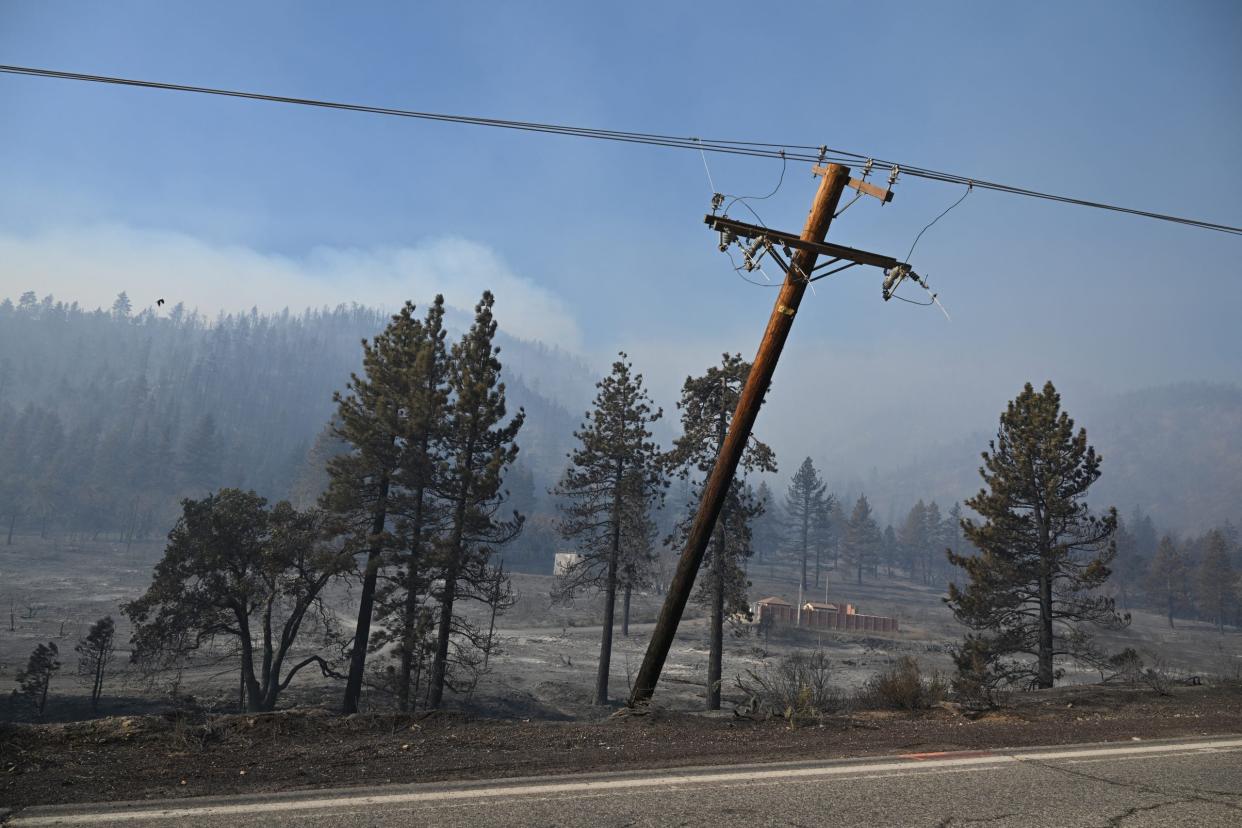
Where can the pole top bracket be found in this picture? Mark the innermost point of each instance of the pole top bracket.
(864, 187)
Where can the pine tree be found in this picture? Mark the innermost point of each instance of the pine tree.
(804, 500)
(836, 521)
(406, 621)
(862, 538)
(638, 542)
(914, 541)
(1146, 538)
(33, 682)
(1043, 554)
(606, 494)
(707, 405)
(478, 448)
(1129, 564)
(122, 307)
(953, 537)
(1216, 580)
(1166, 577)
(370, 420)
(94, 654)
(766, 529)
(823, 536)
(892, 550)
(200, 457)
(934, 545)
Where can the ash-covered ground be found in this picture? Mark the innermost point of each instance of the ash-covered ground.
(52, 590)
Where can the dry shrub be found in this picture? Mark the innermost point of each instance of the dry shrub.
(189, 735)
(796, 688)
(1159, 678)
(902, 686)
(1127, 667)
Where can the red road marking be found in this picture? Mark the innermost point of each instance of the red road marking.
(963, 754)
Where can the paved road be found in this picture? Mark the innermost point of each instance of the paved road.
(1166, 783)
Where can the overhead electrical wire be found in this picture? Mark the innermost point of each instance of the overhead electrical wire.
(788, 152)
(914, 243)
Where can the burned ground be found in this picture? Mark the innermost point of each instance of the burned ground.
(157, 756)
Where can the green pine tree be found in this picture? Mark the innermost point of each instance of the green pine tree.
(478, 448)
(371, 420)
(1166, 577)
(804, 501)
(406, 623)
(1216, 580)
(862, 538)
(1043, 554)
(613, 480)
(707, 405)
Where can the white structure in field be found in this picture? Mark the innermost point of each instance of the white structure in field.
(563, 562)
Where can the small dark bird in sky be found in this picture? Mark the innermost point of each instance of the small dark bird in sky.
(159, 302)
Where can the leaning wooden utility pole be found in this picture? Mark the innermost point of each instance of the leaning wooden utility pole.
(834, 179)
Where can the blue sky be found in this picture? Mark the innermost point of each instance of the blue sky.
(600, 246)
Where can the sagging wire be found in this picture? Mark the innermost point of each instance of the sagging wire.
(745, 200)
(969, 186)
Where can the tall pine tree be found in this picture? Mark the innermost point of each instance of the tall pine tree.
(613, 480)
(804, 501)
(862, 538)
(406, 620)
(1044, 554)
(1217, 583)
(1166, 577)
(479, 446)
(707, 405)
(371, 421)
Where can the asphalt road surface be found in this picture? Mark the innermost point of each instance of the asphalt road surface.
(1166, 783)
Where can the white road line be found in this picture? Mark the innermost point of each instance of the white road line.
(658, 779)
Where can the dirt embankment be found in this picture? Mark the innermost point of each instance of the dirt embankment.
(168, 756)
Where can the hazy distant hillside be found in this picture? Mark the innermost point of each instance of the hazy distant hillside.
(1175, 451)
(106, 417)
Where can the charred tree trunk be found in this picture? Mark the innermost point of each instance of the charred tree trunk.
(409, 621)
(1045, 676)
(439, 667)
(605, 641)
(366, 603)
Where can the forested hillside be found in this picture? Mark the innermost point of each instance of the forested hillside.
(107, 418)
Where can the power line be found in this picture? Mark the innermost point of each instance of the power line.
(914, 243)
(789, 152)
